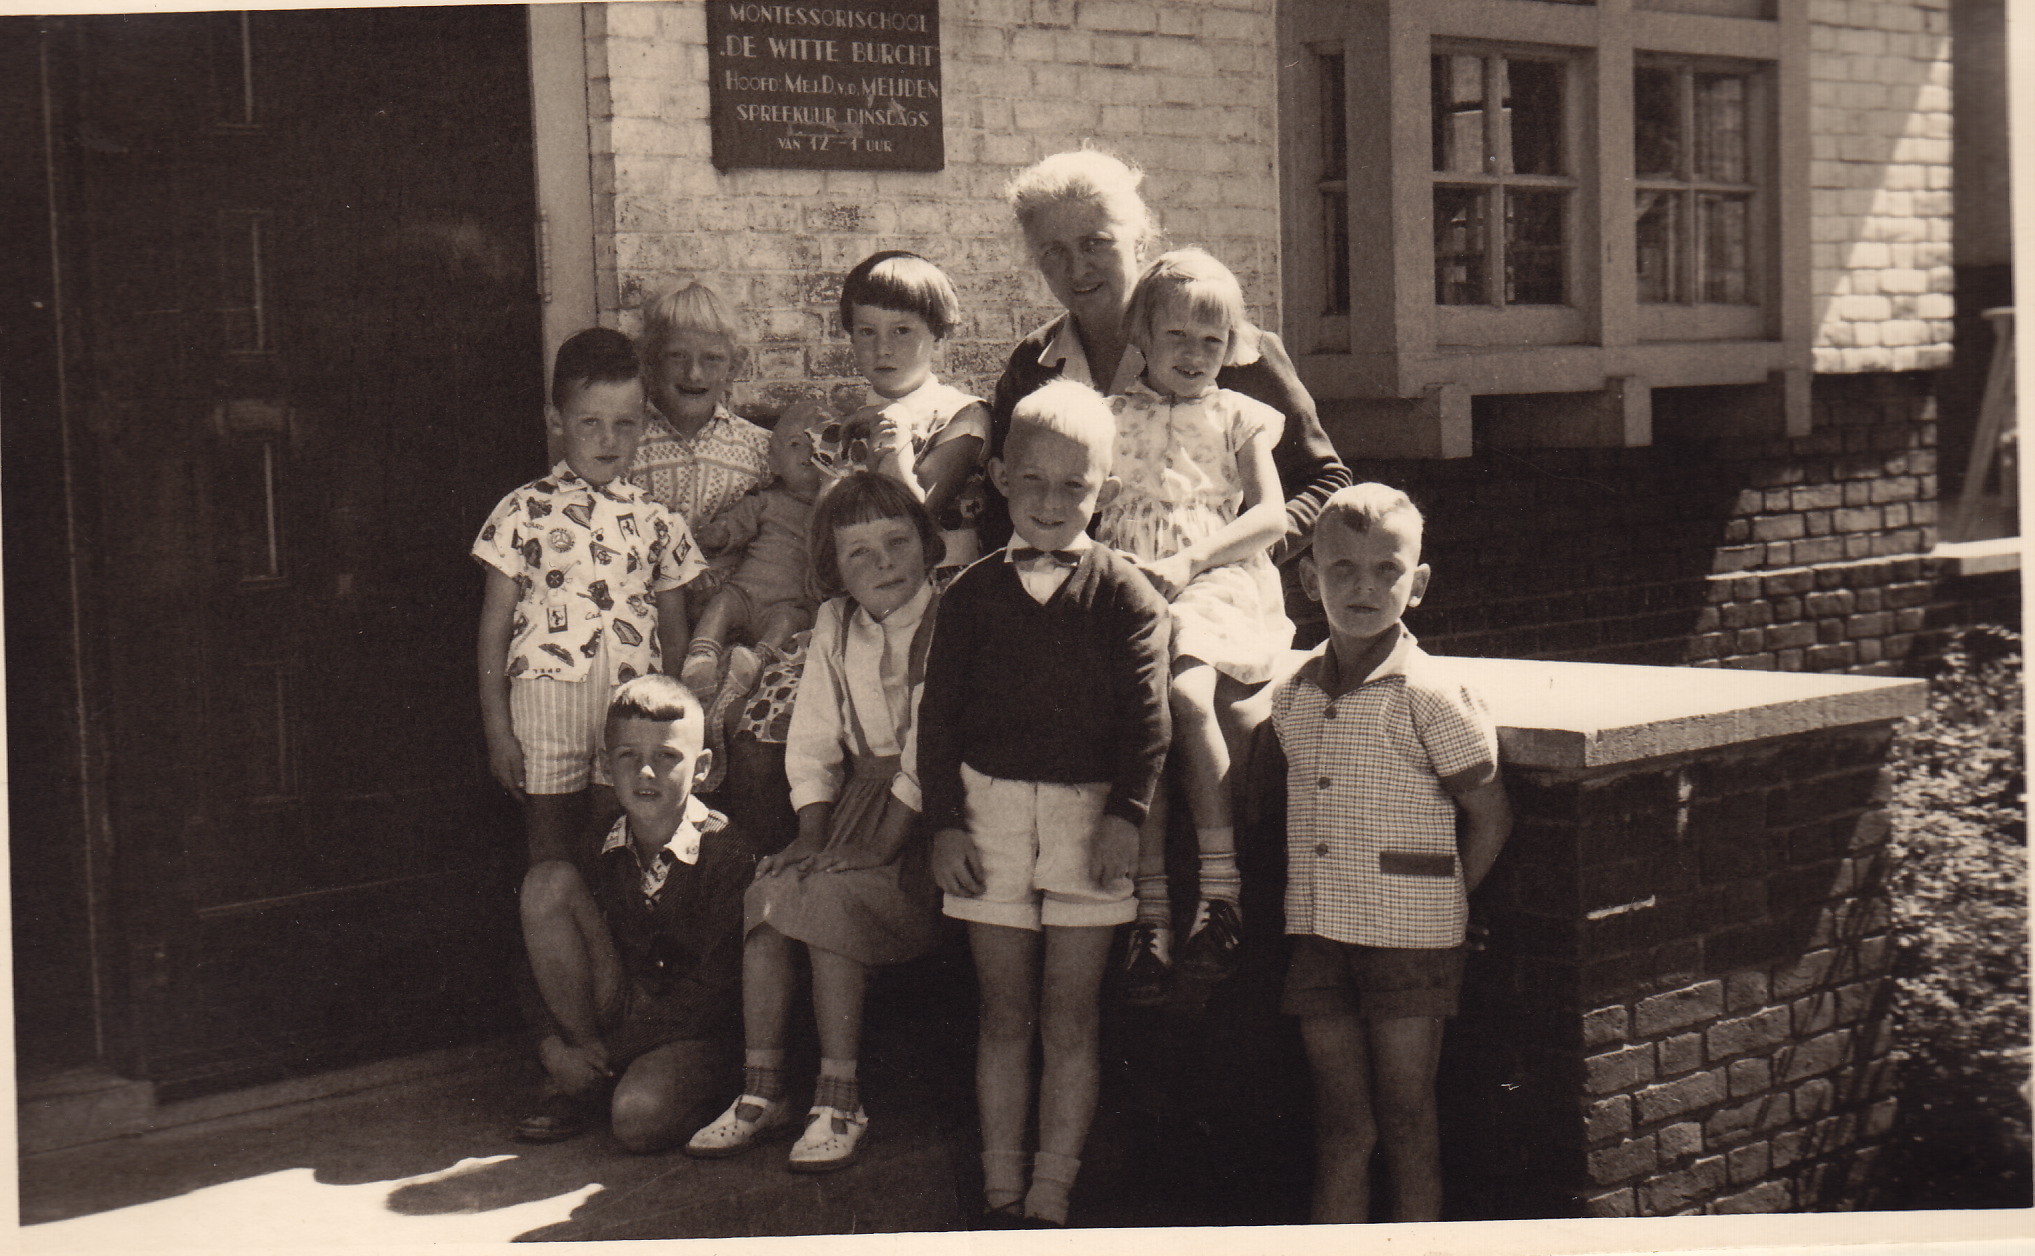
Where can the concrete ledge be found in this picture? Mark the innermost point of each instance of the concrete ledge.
(1585, 715)
(1953, 559)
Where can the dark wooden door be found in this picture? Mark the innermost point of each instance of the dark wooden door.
(298, 248)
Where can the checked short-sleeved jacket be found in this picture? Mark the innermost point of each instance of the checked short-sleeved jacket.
(1370, 830)
(587, 561)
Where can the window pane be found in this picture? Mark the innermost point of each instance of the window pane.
(1723, 223)
(1533, 115)
(1334, 133)
(1460, 217)
(1335, 238)
(1457, 83)
(1656, 123)
(1533, 247)
(1659, 231)
(1720, 127)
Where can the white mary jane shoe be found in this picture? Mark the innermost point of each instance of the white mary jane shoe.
(831, 1140)
(733, 1131)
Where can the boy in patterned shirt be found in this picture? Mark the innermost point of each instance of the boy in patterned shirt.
(1383, 754)
(583, 593)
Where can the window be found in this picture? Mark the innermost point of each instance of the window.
(1698, 158)
(1519, 198)
(1504, 194)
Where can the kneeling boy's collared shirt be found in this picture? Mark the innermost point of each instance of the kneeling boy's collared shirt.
(1370, 829)
(587, 561)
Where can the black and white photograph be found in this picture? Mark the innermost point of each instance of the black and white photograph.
(1231, 625)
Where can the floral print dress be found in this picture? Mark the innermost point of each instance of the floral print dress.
(1178, 464)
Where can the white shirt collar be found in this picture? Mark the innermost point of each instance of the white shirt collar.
(685, 839)
(1081, 543)
(1064, 351)
(904, 617)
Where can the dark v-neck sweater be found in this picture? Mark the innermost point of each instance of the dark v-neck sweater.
(1071, 691)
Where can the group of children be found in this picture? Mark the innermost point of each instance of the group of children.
(976, 736)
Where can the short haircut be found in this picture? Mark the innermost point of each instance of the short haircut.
(862, 497)
(1209, 290)
(693, 307)
(903, 283)
(1069, 408)
(598, 355)
(1086, 174)
(1360, 507)
(656, 697)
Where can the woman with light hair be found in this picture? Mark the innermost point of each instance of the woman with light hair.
(1087, 229)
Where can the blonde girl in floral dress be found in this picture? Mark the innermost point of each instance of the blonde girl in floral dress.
(1200, 510)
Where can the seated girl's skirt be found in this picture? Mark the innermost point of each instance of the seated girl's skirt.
(881, 915)
(1233, 617)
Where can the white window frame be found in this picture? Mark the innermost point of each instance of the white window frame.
(1394, 376)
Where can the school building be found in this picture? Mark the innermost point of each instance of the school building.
(1667, 311)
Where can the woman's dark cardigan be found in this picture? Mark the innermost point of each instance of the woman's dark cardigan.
(1309, 471)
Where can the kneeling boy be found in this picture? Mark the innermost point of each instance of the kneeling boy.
(1042, 730)
(641, 979)
(1382, 750)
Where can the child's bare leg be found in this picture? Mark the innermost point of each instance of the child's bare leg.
(555, 825)
(1198, 738)
(577, 971)
(1204, 756)
(1068, 1017)
(767, 986)
(1345, 1131)
(781, 623)
(1405, 1052)
(838, 983)
(1007, 971)
(702, 667)
(664, 1094)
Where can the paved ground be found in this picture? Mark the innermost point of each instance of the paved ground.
(429, 1160)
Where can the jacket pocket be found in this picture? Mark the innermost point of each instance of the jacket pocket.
(1406, 863)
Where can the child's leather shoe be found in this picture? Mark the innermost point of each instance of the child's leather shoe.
(731, 1132)
(832, 1140)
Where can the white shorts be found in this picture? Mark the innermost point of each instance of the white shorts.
(559, 724)
(1033, 840)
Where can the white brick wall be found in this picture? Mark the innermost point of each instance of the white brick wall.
(1183, 89)
(1880, 176)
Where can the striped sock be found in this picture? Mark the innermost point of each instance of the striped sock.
(1155, 900)
(1219, 875)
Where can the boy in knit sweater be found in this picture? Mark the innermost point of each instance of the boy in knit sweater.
(1042, 730)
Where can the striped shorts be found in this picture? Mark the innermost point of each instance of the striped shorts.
(559, 724)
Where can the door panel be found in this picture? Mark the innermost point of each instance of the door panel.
(302, 252)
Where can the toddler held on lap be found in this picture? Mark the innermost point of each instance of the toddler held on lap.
(766, 600)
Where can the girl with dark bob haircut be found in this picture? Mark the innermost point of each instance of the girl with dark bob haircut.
(860, 497)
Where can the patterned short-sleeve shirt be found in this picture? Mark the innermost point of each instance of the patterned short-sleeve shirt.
(701, 476)
(1370, 830)
(587, 561)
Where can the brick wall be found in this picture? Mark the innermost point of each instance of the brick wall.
(1880, 175)
(1684, 1006)
(1796, 555)
(1184, 90)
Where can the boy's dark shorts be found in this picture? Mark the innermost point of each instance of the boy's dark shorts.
(1329, 978)
(632, 1026)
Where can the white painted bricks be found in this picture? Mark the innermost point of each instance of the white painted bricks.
(1880, 178)
(1184, 90)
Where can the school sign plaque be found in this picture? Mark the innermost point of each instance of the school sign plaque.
(826, 85)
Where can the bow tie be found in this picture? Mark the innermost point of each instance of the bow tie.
(1026, 554)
